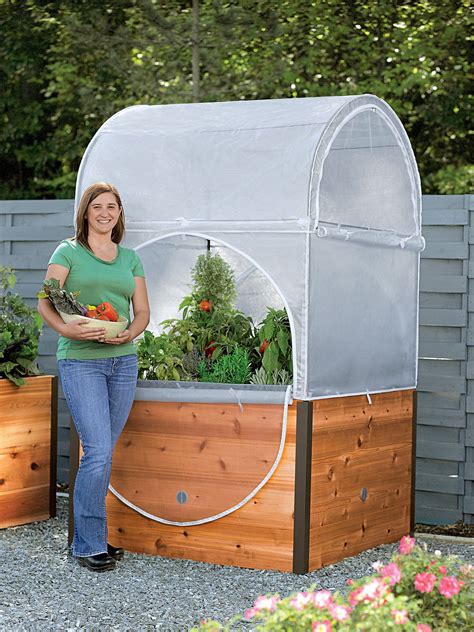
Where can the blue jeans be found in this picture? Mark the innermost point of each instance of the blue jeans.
(99, 394)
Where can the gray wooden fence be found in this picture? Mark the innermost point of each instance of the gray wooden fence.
(444, 474)
(30, 230)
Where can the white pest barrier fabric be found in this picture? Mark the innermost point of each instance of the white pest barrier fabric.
(317, 204)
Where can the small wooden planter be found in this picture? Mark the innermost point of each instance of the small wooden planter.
(28, 450)
(344, 483)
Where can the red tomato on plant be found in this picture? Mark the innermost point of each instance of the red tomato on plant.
(205, 305)
(264, 345)
(108, 311)
(209, 350)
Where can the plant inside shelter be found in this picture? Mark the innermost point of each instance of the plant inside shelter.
(210, 309)
(20, 329)
(159, 358)
(215, 342)
(274, 336)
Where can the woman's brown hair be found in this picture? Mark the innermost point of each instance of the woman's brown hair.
(82, 227)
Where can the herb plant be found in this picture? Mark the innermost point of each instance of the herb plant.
(230, 369)
(213, 281)
(20, 328)
(279, 376)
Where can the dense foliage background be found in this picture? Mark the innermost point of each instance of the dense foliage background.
(67, 65)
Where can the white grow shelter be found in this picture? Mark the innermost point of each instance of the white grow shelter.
(315, 201)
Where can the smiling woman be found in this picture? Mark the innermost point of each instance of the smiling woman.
(98, 374)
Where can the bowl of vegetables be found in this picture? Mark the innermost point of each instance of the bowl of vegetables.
(68, 307)
(112, 327)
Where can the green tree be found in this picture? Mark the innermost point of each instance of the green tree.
(68, 65)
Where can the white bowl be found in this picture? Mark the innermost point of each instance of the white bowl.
(111, 328)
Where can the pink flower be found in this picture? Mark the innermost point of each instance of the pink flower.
(250, 613)
(339, 612)
(466, 569)
(301, 600)
(400, 616)
(423, 627)
(322, 598)
(424, 582)
(407, 544)
(392, 572)
(266, 603)
(355, 596)
(322, 626)
(371, 591)
(449, 586)
(442, 570)
(262, 603)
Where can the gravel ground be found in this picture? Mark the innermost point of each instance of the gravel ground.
(42, 588)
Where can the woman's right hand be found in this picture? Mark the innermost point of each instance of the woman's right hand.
(77, 331)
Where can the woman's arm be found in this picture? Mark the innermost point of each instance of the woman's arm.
(75, 331)
(141, 314)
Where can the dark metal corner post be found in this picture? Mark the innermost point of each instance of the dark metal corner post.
(54, 447)
(73, 467)
(413, 464)
(301, 525)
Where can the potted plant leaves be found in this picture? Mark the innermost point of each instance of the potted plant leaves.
(28, 401)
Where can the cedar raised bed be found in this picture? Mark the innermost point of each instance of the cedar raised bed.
(28, 452)
(343, 485)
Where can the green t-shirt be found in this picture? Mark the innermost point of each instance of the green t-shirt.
(98, 281)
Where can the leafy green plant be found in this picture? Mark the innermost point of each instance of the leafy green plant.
(20, 329)
(416, 591)
(183, 332)
(274, 335)
(231, 369)
(159, 358)
(224, 331)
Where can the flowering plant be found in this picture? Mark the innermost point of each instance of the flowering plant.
(416, 591)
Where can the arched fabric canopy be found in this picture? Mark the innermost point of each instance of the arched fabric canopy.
(321, 199)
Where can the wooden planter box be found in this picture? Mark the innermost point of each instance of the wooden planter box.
(28, 450)
(344, 483)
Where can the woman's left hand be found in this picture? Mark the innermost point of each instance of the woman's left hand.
(121, 338)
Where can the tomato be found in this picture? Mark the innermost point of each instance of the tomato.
(209, 350)
(91, 313)
(205, 305)
(264, 345)
(106, 309)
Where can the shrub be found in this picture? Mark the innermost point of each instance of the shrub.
(416, 591)
(20, 329)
